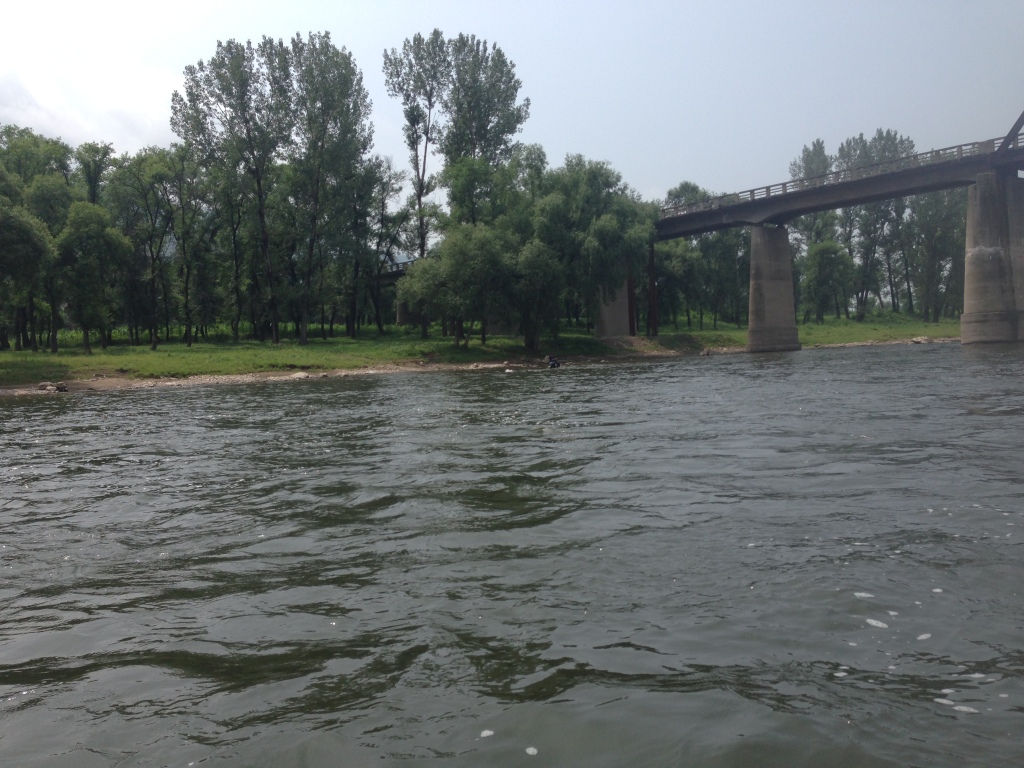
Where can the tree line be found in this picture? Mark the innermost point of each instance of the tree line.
(273, 214)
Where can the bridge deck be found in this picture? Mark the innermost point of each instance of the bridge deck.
(778, 203)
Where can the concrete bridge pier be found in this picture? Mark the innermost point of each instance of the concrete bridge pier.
(994, 260)
(772, 325)
(613, 317)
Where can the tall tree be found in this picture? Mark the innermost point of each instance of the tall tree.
(145, 215)
(483, 119)
(419, 76)
(26, 252)
(94, 160)
(237, 109)
(332, 136)
(814, 162)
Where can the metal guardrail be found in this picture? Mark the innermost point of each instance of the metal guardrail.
(931, 157)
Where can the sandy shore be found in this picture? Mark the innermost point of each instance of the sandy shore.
(635, 349)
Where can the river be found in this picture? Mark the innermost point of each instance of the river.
(788, 560)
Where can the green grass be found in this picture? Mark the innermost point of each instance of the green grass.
(221, 356)
(881, 328)
(175, 360)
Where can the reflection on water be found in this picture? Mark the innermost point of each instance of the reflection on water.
(781, 560)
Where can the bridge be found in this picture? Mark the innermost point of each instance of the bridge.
(994, 265)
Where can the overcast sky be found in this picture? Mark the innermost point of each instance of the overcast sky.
(721, 93)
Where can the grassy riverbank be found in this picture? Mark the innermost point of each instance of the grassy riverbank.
(400, 347)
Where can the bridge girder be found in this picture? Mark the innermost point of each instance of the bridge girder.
(780, 209)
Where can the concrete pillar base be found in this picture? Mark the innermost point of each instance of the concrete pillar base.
(772, 325)
(773, 340)
(613, 317)
(992, 287)
(988, 327)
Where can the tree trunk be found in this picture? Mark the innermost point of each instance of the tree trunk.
(652, 295)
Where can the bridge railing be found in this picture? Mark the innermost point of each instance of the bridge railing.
(930, 157)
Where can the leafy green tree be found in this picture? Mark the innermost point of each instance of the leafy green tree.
(386, 230)
(483, 119)
(812, 228)
(827, 280)
(588, 219)
(185, 190)
(937, 229)
(483, 116)
(419, 75)
(144, 213)
(49, 198)
(237, 110)
(94, 160)
(867, 231)
(88, 249)
(332, 137)
(27, 154)
(26, 251)
(10, 186)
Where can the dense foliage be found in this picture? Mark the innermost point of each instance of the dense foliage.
(273, 213)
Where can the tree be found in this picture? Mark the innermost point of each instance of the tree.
(26, 250)
(139, 200)
(332, 136)
(812, 228)
(483, 118)
(193, 220)
(827, 279)
(237, 110)
(88, 248)
(94, 160)
(27, 154)
(419, 76)
(867, 231)
(937, 230)
(49, 199)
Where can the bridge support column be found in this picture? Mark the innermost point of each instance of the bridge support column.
(994, 260)
(401, 313)
(613, 318)
(772, 325)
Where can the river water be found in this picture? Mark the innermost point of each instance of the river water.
(797, 560)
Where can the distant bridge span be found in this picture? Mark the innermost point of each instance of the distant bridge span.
(778, 203)
(994, 259)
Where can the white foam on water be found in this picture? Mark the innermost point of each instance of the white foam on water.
(925, 636)
(853, 644)
(877, 623)
(962, 708)
(937, 589)
(485, 733)
(948, 691)
(839, 674)
(863, 595)
(1004, 695)
(893, 613)
(531, 750)
(947, 702)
